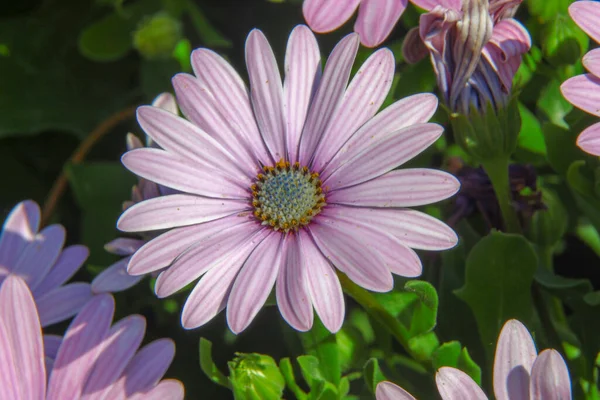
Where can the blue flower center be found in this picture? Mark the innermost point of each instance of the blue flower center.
(287, 197)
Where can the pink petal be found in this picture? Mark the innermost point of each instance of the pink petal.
(176, 210)
(383, 155)
(327, 15)
(589, 140)
(511, 38)
(211, 252)
(161, 251)
(453, 384)
(302, 76)
(21, 325)
(583, 91)
(123, 246)
(68, 263)
(9, 384)
(344, 246)
(413, 48)
(328, 96)
(400, 188)
(254, 283)
(550, 377)
(117, 350)
(182, 174)
(291, 290)
(365, 94)
(19, 228)
(133, 142)
(169, 389)
(388, 391)
(431, 4)
(515, 354)
(322, 283)
(586, 14)
(211, 294)
(167, 102)
(404, 113)
(80, 349)
(51, 345)
(231, 97)
(376, 19)
(115, 278)
(63, 302)
(591, 61)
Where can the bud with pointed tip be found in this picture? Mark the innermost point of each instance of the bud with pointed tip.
(255, 377)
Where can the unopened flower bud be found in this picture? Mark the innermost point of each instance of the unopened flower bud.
(157, 36)
(255, 377)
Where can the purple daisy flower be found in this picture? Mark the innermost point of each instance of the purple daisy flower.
(583, 90)
(115, 278)
(94, 360)
(39, 258)
(284, 183)
(519, 373)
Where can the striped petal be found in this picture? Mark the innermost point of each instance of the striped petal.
(591, 61)
(123, 246)
(376, 19)
(453, 384)
(115, 278)
(589, 140)
(168, 389)
(586, 14)
(63, 302)
(388, 391)
(327, 15)
(68, 263)
(18, 230)
(583, 91)
(550, 377)
(166, 101)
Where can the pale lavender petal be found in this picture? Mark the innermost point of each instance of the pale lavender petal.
(68, 263)
(63, 302)
(133, 142)
(515, 354)
(511, 38)
(383, 155)
(209, 253)
(409, 111)
(583, 91)
(414, 228)
(169, 389)
(586, 14)
(453, 384)
(344, 246)
(291, 289)
(161, 251)
(322, 283)
(376, 19)
(254, 283)
(80, 348)
(115, 278)
(328, 96)
(327, 15)
(231, 97)
(431, 4)
(388, 391)
(589, 140)
(20, 321)
(166, 101)
(302, 76)
(123, 246)
(51, 345)
(182, 174)
(18, 230)
(591, 61)
(400, 188)
(365, 94)
(176, 210)
(413, 48)
(211, 294)
(550, 377)
(40, 254)
(117, 350)
(9, 384)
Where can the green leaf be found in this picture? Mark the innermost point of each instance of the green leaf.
(466, 364)
(373, 374)
(552, 103)
(255, 377)
(499, 274)
(415, 78)
(309, 366)
(424, 345)
(285, 366)
(208, 33)
(452, 354)
(563, 42)
(547, 9)
(321, 344)
(561, 147)
(531, 137)
(208, 366)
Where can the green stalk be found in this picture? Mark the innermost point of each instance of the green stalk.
(497, 170)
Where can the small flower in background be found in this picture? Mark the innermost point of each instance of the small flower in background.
(115, 278)
(582, 90)
(39, 258)
(94, 360)
(283, 183)
(519, 373)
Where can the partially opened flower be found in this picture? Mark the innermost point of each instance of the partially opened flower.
(286, 183)
(115, 278)
(519, 373)
(94, 360)
(582, 90)
(39, 258)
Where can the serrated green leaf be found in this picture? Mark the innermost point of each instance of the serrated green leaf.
(446, 355)
(208, 366)
(466, 364)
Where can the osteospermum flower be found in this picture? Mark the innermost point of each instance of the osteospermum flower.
(519, 373)
(39, 258)
(115, 278)
(582, 90)
(94, 360)
(285, 183)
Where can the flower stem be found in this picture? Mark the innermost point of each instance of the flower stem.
(497, 170)
(380, 314)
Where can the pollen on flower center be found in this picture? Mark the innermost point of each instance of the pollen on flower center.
(287, 197)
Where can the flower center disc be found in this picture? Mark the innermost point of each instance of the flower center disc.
(287, 197)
